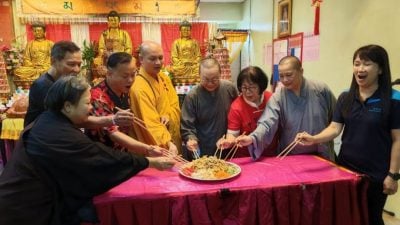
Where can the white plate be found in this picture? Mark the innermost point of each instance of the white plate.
(235, 167)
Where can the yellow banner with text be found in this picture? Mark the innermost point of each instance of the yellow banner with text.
(82, 7)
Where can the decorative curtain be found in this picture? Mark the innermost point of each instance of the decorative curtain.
(212, 30)
(54, 32)
(235, 41)
(80, 33)
(164, 34)
(95, 30)
(151, 32)
(170, 32)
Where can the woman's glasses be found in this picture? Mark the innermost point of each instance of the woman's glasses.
(250, 88)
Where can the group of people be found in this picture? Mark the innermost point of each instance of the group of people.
(56, 160)
(62, 165)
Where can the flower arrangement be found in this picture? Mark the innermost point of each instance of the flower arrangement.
(13, 56)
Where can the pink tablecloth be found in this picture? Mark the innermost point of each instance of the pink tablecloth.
(295, 190)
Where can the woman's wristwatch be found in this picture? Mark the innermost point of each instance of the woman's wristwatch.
(394, 176)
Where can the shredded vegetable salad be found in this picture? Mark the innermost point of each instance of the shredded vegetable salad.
(210, 168)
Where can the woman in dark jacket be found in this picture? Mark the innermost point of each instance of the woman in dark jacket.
(56, 169)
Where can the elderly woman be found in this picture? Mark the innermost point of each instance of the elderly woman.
(56, 169)
(245, 111)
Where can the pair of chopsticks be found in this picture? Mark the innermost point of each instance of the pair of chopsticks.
(219, 149)
(288, 149)
(178, 158)
(136, 120)
(233, 150)
(196, 154)
(167, 154)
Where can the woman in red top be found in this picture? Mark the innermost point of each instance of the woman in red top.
(245, 111)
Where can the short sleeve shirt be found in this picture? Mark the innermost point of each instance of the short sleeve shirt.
(366, 140)
(104, 101)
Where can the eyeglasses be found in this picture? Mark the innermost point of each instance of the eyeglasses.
(211, 81)
(251, 88)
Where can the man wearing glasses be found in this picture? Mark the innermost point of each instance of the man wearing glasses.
(300, 105)
(205, 110)
(112, 95)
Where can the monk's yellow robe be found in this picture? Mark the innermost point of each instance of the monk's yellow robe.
(150, 99)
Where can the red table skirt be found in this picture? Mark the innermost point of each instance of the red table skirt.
(306, 198)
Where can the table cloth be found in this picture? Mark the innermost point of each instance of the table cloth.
(300, 189)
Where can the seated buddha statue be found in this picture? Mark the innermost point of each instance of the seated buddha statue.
(114, 39)
(185, 56)
(36, 56)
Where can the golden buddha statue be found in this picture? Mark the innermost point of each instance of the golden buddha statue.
(185, 56)
(114, 39)
(36, 56)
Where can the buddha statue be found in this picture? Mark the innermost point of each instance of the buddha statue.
(114, 39)
(36, 57)
(185, 56)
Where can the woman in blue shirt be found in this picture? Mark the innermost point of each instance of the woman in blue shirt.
(368, 116)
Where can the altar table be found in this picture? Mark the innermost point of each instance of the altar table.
(11, 128)
(298, 190)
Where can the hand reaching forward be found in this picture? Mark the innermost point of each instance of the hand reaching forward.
(161, 163)
(244, 140)
(123, 118)
(192, 145)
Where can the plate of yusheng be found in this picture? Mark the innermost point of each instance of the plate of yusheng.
(209, 168)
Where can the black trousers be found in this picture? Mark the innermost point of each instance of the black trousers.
(376, 202)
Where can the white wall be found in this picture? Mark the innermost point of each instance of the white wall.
(221, 12)
(344, 27)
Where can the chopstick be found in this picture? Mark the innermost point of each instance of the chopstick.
(136, 120)
(196, 154)
(219, 149)
(177, 157)
(234, 149)
(141, 124)
(288, 149)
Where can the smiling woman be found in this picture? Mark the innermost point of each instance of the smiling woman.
(367, 116)
(245, 111)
